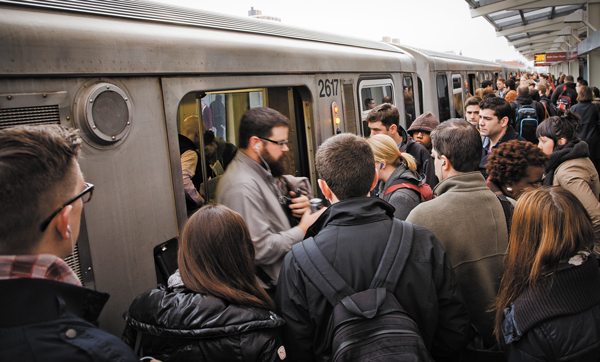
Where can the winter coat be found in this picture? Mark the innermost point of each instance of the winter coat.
(47, 320)
(352, 234)
(589, 129)
(571, 93)
(469, 221)
(571, 168)
(422, 156)
(530, 103)
(559, 320)
(178, 324)
(548, 106)
(403, 199)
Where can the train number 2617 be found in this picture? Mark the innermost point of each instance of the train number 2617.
(328, 87)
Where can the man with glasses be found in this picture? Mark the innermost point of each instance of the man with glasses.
(45, 313)
(252, 186)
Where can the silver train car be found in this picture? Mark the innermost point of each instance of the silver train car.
(127, 73)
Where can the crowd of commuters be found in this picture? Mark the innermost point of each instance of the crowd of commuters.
(499, 237)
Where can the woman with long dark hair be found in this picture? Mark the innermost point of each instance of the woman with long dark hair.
(213, 309)
(548, 304)
(569, 165)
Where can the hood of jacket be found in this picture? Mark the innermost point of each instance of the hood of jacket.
(405, 139)
(402, 172)
(356, 210)
(180, 312)
(524, 100)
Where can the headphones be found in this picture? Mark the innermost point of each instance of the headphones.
(381, 165)
(444, 164)
(256, 148)
(69, 229)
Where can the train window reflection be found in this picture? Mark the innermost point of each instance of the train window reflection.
(409, 100)
(210, 120)
(457, 93)
(373, 93)
(443, 101)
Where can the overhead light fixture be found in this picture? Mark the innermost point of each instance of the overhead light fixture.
(577, 17)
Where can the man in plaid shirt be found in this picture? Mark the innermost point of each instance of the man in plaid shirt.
(45, 313)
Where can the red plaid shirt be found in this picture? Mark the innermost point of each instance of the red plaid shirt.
(40, 266)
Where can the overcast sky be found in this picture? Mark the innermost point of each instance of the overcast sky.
(441, 25)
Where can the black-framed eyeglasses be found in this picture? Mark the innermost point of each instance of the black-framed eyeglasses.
(85, 195)
(280, 143)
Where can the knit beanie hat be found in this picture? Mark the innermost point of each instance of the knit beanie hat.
(425, 122)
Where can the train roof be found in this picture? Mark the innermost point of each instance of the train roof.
(140, 37)
(447, 61)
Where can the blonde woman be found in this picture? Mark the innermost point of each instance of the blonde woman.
(400, 184)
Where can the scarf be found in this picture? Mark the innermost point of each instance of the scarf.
(570, 151)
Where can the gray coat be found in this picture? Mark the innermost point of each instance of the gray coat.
(468, 220)
(247, 188)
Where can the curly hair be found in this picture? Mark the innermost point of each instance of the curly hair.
(508, 163)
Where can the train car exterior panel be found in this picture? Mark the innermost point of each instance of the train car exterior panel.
(34, 43)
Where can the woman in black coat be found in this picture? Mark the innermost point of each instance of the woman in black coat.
(589, 128)
(213, 309)
(548, 304)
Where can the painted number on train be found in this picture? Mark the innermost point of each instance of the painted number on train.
(328, 87)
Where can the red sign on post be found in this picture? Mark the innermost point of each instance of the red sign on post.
(556, 57)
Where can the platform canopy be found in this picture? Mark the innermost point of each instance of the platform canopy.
(540, 26)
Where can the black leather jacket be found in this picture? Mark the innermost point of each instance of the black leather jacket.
(353, 234)
(178, 324)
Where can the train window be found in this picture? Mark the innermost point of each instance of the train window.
(373, 93)
(409, 100)
(457, 95)
(219, 114)
(471, 86)
(443, 101)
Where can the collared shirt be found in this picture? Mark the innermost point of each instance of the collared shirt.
(38, 266)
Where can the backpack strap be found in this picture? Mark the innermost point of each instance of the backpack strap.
(424, 190)
(508, 209)
(320, 272)
(395, 255)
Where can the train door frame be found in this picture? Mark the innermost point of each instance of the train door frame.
(175, 88)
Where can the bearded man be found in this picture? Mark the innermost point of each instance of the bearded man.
(250, 187)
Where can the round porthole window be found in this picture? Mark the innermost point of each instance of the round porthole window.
(104, 113)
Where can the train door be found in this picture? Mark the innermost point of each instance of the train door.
(373, 92)
(442, 96)
(218, 114)
(457, 94)
(409, 100)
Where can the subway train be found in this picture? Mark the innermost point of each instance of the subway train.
(127, 73)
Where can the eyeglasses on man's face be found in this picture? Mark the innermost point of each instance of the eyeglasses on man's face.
(280, 143)
(85, 195)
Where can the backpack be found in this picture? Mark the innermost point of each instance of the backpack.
(422, 188)
(368, 325)
(526, 122)
(563, 102)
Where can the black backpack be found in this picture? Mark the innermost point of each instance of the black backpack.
(564, 101)
(526, 122)
(370, 325)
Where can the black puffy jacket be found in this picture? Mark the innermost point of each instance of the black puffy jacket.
(557, 323)
(178, 324)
